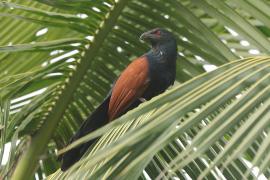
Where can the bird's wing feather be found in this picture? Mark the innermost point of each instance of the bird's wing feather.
(129, 86)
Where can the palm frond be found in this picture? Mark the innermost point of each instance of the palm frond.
(220, 134)
(58, 59)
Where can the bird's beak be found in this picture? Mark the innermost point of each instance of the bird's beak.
(146, 36)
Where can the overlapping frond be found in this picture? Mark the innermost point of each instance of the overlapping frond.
(214, 126)
(58, 58)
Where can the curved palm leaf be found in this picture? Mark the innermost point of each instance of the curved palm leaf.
(215, 124)
(58, 59)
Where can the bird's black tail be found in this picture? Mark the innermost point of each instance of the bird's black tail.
(97, 119)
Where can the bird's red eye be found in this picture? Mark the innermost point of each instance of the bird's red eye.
(157, 32)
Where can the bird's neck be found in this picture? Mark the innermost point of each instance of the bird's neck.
(164, 53)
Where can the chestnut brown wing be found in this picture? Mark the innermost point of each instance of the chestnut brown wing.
(129, 86)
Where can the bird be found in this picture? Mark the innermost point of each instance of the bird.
(144, 78)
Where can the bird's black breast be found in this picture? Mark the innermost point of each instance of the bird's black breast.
(161, 74)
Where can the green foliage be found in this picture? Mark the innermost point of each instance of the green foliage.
(58, 60)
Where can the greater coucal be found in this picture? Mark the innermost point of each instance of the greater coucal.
(146, 77)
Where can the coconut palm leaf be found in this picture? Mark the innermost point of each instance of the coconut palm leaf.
(220, 134)
(58, 60)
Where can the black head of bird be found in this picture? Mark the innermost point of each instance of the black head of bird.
(158, 36)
